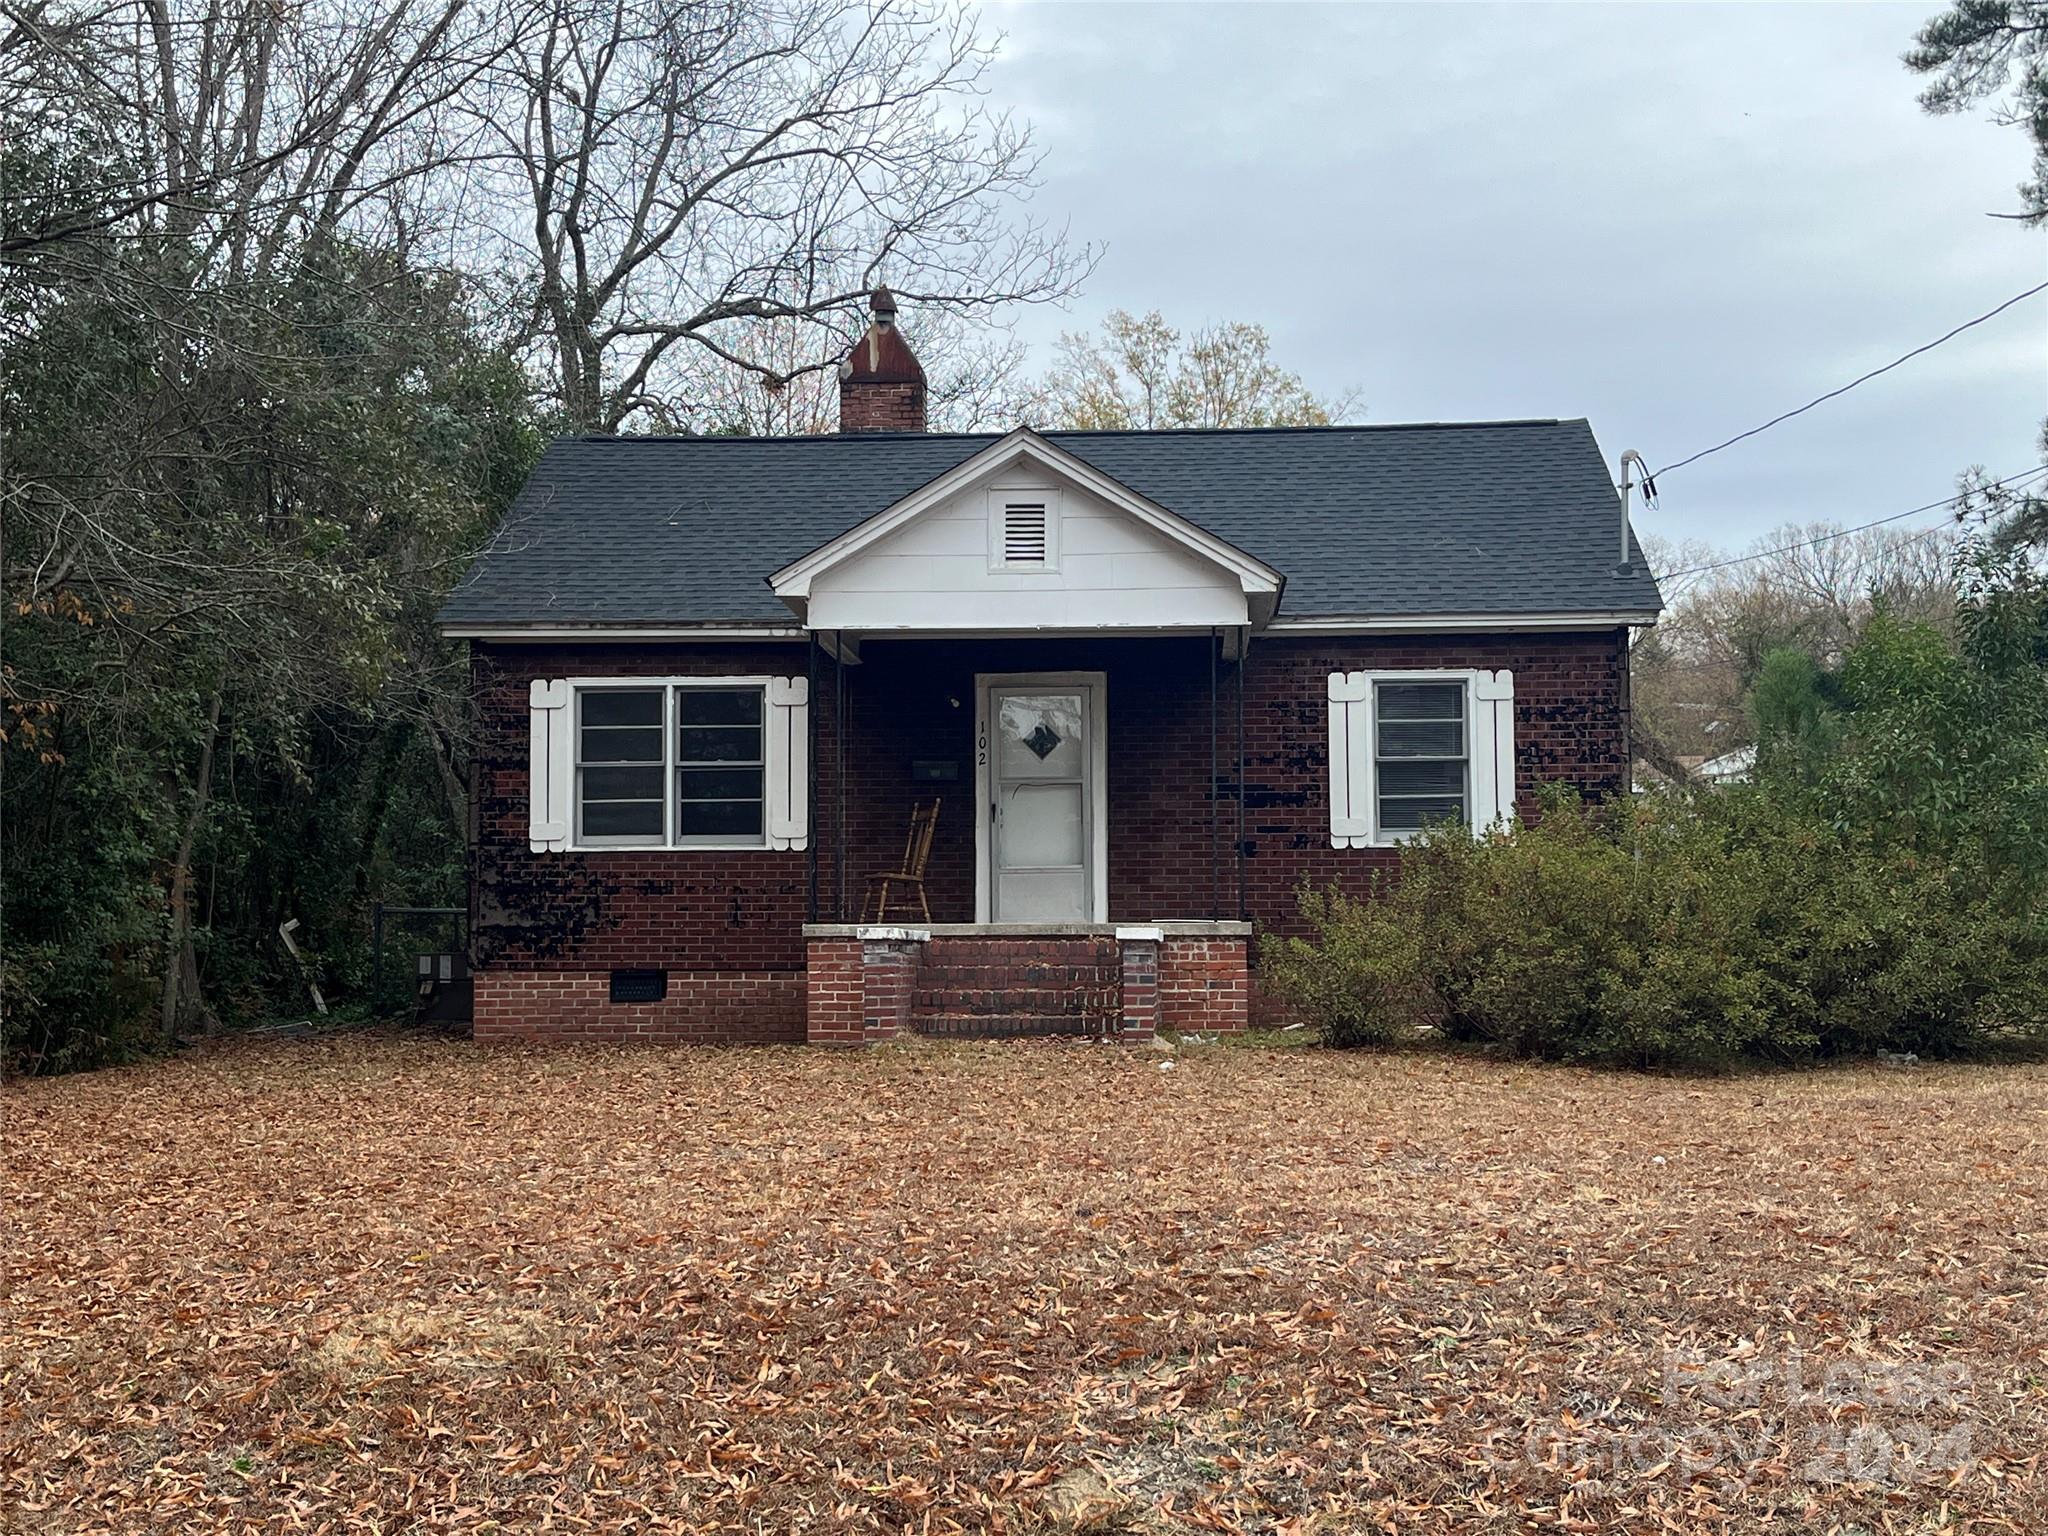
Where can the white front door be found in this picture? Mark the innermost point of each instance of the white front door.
(1039, 761)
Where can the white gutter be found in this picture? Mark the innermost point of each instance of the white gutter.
(1339, 624)
(1443, 623)
(604, 633)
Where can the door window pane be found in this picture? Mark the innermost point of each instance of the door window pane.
(1041, 826)
(1039, 735)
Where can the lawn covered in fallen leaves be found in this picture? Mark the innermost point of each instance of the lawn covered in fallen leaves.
(386, 1284)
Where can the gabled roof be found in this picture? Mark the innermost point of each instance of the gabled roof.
(1024, 445)
(1489, 519)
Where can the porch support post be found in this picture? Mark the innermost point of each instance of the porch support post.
(1244, 654)
(811, 770)
(839, 776)
(1215, 897)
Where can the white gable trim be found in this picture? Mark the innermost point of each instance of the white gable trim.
(793, 582)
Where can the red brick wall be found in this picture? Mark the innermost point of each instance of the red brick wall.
(874, 990)
(964, 983)
(833, 1013)
(888, 983)
(1138, 991)
(1166, 858)
(723, 911)
(711, 1007)
(881, 405)
(1204, 984)
(1571, 725)
(742, 912)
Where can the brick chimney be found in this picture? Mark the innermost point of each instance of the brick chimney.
(881, 387)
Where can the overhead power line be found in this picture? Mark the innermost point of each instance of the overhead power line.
(1988, 314)
(2012, 481)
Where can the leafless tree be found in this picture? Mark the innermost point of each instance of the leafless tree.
(682, 170)
(234, 234)
(973, 371)
(241, 127)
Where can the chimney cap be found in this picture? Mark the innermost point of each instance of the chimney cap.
(881, 356)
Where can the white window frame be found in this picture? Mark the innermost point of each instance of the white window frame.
(1467, 680)
(998, 496)
(669, 841)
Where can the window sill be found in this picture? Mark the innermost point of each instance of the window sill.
(671, 848)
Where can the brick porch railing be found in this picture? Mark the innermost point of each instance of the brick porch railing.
(870, 983)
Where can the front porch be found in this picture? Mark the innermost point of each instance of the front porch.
(1086, 873)
(1052, 665)
(1080, 781)
(866, 983)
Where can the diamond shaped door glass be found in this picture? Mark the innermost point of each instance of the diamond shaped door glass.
(1040, 735)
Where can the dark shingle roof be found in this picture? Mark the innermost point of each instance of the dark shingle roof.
(1514, 517)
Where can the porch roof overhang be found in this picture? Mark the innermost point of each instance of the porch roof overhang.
(1260, 584)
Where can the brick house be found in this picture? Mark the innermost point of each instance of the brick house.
(1153, 680)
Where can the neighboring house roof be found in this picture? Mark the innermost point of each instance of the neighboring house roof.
(1729, 767)
(1482, 519)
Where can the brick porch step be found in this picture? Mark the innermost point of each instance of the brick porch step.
(994, 989)
(1004, 1026)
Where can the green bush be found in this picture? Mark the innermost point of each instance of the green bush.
(1674, 931)
(1359, 978)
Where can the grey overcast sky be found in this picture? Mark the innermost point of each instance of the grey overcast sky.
(1675, 220)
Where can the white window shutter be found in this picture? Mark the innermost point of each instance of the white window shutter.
(788, 762)
(549, 765)
(1493, 749)
(1350, 760)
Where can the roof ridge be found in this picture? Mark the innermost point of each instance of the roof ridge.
(651, 439)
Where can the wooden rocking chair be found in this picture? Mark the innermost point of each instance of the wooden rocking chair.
(917, 852)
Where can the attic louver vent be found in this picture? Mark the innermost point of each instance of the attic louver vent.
(1024, 540)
